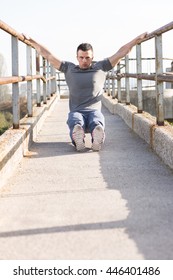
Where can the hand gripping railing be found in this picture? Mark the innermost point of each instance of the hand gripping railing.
(159, 76)
(48, 75)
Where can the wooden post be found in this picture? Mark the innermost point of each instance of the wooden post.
(29, 83)
(159, 84)
(15, 86)
(38, 93)
(139, 80)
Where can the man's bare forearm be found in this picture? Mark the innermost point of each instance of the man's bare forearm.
(42, 50)
(124, 50)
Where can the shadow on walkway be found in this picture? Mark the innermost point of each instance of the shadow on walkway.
(129, 165)
(121, 195)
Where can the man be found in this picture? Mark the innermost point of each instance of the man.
(85, 82)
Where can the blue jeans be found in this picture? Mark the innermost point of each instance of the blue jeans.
(87, 119)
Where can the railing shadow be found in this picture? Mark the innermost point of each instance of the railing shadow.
(60, 229)
(146, 185)
(51, 149)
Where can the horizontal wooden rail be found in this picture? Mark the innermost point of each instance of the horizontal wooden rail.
(17, 79)
(13, 32)
(152, 77)
(47, 89)
(50, 78)
(159, 31)
(167, 77)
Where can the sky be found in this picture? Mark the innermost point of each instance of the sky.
(61, 25)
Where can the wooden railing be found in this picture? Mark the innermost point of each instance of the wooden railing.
(123, 72)
(46, 73)
(47, 77)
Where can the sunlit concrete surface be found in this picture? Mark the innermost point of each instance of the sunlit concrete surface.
(112, 204)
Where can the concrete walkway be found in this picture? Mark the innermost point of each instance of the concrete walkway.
(60, 204)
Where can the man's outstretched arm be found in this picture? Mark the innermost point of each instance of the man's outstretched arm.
(45, 52)
(124, 50)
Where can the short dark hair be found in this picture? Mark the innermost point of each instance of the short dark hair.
(84, 47)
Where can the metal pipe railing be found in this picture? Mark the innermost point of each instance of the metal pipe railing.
(48, 77)
(159, 76)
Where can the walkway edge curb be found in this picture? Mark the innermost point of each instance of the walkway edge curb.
(15, 143)
(160, 138)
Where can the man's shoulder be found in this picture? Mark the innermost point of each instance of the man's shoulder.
(104, 64)
(66, 65)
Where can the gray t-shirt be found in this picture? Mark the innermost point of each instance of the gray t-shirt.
(85, 85)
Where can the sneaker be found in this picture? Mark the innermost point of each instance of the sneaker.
(78, 135)
(98, 136)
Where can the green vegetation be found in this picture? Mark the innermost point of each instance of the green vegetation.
(5, 121)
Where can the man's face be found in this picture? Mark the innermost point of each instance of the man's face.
(84, 58)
